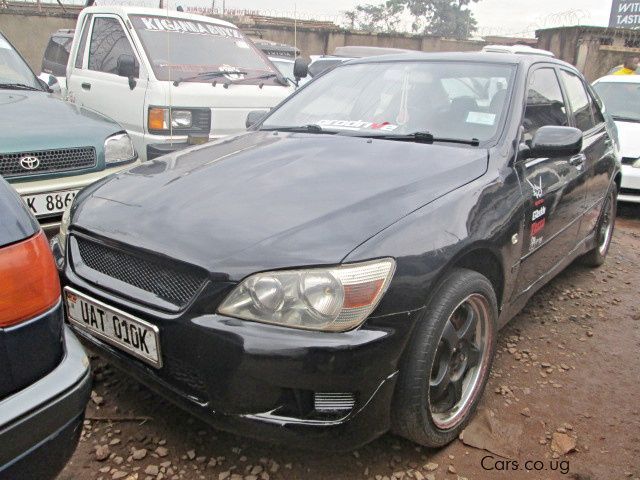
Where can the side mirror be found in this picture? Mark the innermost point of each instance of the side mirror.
(254, 117)
(127, 67)
(556, 142)
(300, 68)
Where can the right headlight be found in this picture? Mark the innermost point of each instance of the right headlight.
(118, 148)
(332, 299)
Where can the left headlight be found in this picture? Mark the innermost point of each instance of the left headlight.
(118, 148)
(332, 299)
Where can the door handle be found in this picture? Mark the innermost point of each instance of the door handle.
(577, 159)
(86, 86)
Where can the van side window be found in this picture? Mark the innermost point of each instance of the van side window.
(108, 42)
(83, 41)
(545, 104)
(579, 101)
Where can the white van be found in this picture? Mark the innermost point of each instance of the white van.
(171, 79)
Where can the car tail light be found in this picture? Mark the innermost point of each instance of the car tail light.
(29, 283)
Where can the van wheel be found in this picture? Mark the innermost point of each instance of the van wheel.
(604, 231)
(447, 362)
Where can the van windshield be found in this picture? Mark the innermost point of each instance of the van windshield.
(178, 48)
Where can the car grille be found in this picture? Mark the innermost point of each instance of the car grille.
(172, 284)
(48, 161)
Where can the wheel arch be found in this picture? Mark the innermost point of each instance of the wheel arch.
(486, 262)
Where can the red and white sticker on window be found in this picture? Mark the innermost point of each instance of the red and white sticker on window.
(357, 125)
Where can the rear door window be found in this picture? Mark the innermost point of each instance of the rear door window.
(108, 42)
(579, 101)
(58, 50)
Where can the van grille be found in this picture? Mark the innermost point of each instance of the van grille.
(48, 161)
(174, 285)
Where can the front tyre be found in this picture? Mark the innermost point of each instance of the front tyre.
(604, 231)
(447, 362)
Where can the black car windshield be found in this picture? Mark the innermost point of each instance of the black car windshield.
(14, 72)
(621, 99)
(179, 48)
(446, 99)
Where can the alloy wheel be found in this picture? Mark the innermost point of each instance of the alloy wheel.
(460, 362)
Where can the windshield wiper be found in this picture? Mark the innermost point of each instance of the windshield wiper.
(212, 74)
(281, 80)
(310, 128)
(19, 86)
(418, 137)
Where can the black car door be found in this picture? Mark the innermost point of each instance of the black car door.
(597, 149)
(554, 199)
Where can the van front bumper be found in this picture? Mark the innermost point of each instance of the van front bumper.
(40, 425)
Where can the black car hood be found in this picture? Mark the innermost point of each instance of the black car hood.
(266, 200)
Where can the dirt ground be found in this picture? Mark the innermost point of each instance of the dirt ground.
(566, 377)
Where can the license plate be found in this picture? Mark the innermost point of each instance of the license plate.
(114, 326)
(50, 203)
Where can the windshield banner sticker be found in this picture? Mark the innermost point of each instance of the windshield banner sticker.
(164, 24)
(358, 125)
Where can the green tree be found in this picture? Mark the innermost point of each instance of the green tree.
(376, 18)
(443, 18)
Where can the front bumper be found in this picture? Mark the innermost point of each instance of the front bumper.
(260, 380)
(72, 182)
(630, 186)
(40, 425)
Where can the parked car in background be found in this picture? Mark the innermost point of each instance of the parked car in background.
(50, 149)
(321, 63)
(171, 79)
(45, 378)
(621, 98)
(55, 58)
(342, 268)
(517, 49)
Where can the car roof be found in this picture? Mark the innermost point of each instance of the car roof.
(471, 57)
(618, 79)
(157, 12)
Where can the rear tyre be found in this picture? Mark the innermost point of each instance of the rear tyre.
(604, 231)
(447, 362)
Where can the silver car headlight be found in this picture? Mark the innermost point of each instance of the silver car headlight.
(333, 299)
(118, 148)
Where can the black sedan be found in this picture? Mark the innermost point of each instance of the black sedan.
(44, 373)
(342, 268)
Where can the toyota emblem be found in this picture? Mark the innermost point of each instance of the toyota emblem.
(29, 162)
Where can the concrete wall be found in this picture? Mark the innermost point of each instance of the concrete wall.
(29, 32)
(593, 50)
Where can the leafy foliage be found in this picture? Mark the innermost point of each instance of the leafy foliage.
(443, 18)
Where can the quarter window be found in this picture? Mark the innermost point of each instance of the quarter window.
(83, 42)
(108, 42)
(579, 101)
(545, 104)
